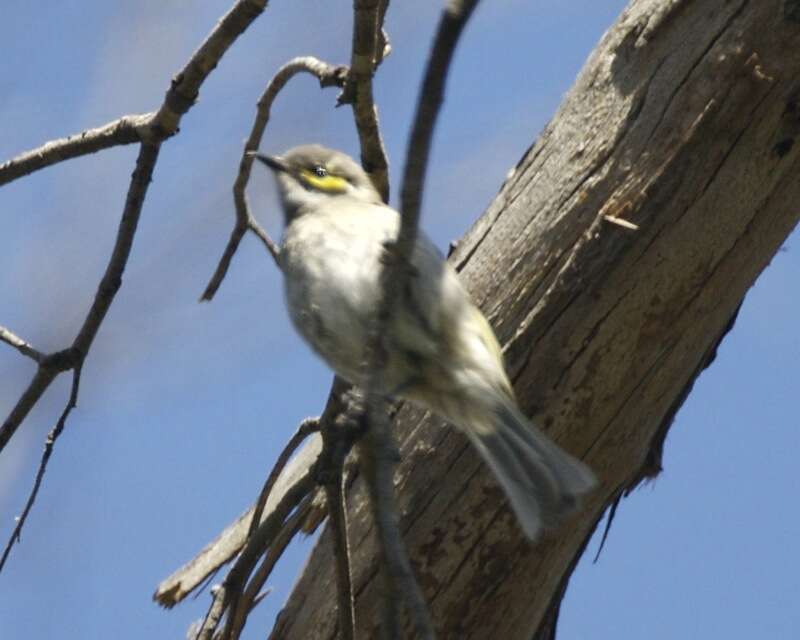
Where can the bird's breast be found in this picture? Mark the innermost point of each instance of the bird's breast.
(331, 284)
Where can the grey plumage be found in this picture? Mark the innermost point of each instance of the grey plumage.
(442, 353)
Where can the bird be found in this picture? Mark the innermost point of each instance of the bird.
(441, 352)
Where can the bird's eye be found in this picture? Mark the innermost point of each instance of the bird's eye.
(320, 171)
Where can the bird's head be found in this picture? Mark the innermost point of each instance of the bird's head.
(310, 175)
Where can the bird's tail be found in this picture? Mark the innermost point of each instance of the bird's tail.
(543, 483)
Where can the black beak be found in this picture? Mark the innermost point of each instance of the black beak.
(275, 163)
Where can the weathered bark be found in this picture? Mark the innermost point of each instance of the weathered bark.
(683, 122)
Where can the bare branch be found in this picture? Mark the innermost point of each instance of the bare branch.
(48, 450)
(50, 366)
(328, 76)
(109, 285)
(239, 229)
(179, 99)
(20, 345)
(380, 458)
(269, 244)
(229, 594)
(291, 528)
(451, 24)
(182, 582)
(315, 460)
(214, 615)
(367, 24)
(124, 130)
(307, 427)
(338, 436)
(186, 83)
(269, 528)
(149, 127)
(337, 512)
(251, 596)
(112, 278)
(73, 357)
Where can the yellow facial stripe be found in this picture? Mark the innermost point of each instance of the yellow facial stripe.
(328, 183)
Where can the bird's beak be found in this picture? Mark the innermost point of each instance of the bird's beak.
(275, 163)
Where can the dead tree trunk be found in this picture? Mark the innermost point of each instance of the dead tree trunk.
(683, 123)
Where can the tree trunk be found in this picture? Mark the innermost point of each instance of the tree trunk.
(683, 122)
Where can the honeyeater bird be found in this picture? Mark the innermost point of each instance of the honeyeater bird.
(441, 351)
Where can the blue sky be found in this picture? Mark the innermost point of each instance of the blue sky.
(184, 406)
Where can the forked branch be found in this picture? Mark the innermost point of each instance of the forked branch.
(151, 129)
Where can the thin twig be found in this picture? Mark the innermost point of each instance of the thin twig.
(214, 613)
(380, 456)
(307, 427)
(238, 595)
(612, 511)
(107, 289)
(20, 345)
(367, 25)
(257, 600)
(48, 450)
(124, 130)
(328, 76)
(227, 597)
(269, 244)
(337, 513)
(338, 436)
(229, 543)
(337, 442)
(185, 86)
(253, 592)
(453, 20)
(378, 459)
(112, 278)
(207, 581)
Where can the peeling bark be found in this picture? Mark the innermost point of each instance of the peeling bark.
(683, 122)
